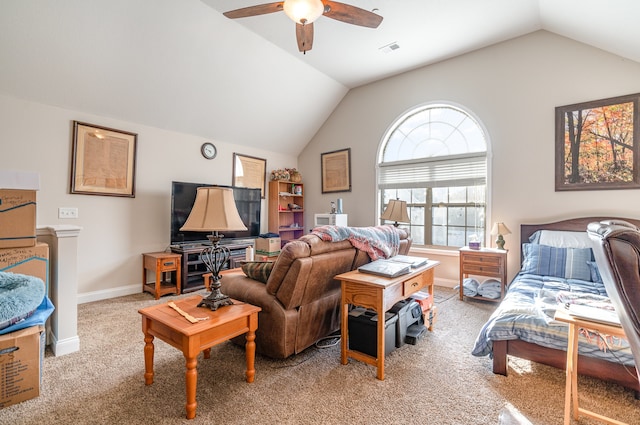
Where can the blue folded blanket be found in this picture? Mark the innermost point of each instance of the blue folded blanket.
(490, 288)
(470, 287)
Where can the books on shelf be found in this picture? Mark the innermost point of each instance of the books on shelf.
(409, 259)
(386, 268)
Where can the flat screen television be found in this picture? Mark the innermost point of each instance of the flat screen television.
(183, 195)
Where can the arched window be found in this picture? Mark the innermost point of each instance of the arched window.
(435, 158)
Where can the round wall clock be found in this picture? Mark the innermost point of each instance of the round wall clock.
(208, 150)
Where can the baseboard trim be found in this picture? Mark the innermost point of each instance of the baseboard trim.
(447, 283)
(105, 294)
(65, 346)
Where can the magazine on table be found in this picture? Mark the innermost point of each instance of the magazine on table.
(386, 268)
(594, 314)
(411, 260)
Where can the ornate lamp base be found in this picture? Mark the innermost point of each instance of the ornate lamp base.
(215, 301)
(215, 257)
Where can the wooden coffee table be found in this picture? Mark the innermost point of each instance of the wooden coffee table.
(164, 322)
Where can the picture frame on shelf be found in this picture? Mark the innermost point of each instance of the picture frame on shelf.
(103, 161)
(597, 144)
(336, 171)
(249, 171)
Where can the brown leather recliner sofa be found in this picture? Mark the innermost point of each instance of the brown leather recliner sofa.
(616, 247)
(301, 299)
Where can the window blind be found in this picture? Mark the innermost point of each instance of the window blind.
(459, 170)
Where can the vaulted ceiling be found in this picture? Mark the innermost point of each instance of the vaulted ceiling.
(183, 66)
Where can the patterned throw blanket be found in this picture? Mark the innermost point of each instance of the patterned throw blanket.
(378, 242)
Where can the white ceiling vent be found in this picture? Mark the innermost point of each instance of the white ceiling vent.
(390, 47)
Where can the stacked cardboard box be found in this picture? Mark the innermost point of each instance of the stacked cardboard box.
(18, 209)
(268, 246)
(22, 344)
(21, 355)
(429, 310)
(32, 261)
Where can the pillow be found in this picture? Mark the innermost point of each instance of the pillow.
(561, 238)
(258, 270)
(20, 296)
(568, 263)
(595, 273)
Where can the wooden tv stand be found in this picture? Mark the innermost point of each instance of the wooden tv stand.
(193, 268)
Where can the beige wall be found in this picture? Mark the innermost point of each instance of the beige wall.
(513, 88)
(115, 231)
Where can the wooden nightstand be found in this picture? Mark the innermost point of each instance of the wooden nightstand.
(161, 263)
(483, 262)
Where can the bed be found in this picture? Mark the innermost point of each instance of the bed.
(523, 326)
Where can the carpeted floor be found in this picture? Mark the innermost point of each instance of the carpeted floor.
(436, 381)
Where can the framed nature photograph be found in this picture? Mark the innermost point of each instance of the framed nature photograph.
(249, 171)
(597, 144)
(336, 171)
(103, 161)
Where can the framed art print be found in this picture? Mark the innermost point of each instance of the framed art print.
(103, 161)
(597, 145)
(249, 171)
(336, 171)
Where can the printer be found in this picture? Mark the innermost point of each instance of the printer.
(410, 324)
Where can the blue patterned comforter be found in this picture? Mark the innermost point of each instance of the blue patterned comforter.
(527, 311)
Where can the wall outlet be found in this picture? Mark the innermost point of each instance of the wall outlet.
(67, 212)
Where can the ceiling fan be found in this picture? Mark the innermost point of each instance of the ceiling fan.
(304, 12)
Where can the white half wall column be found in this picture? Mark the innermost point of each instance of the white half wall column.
(63, 286)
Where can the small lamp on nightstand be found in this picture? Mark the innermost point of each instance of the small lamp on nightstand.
(500, 229)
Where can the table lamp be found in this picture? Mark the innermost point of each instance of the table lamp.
(500, 229)
(396, 211)
(214, 210)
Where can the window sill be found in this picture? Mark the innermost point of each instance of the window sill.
(453, 252)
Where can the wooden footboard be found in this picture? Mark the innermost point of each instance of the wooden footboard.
(588, 366)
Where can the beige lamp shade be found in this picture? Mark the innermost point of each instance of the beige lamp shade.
(396, 211)
(500, 228)
(214, 210)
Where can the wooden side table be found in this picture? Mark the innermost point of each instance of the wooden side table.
(483, 262)
(218, 326)
(379, 294)
(161, 263)
(571, 384)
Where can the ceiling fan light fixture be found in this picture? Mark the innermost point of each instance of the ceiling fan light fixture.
(303, 11)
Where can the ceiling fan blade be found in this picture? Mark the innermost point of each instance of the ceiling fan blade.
(304, 35)
(261, 9)
(351, 14)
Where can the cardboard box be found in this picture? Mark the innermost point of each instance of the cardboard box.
(424, 299)
(32, 261)
(18, 209)
(430, 316)
(264, 257)
(268, 246)
(21, 356)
